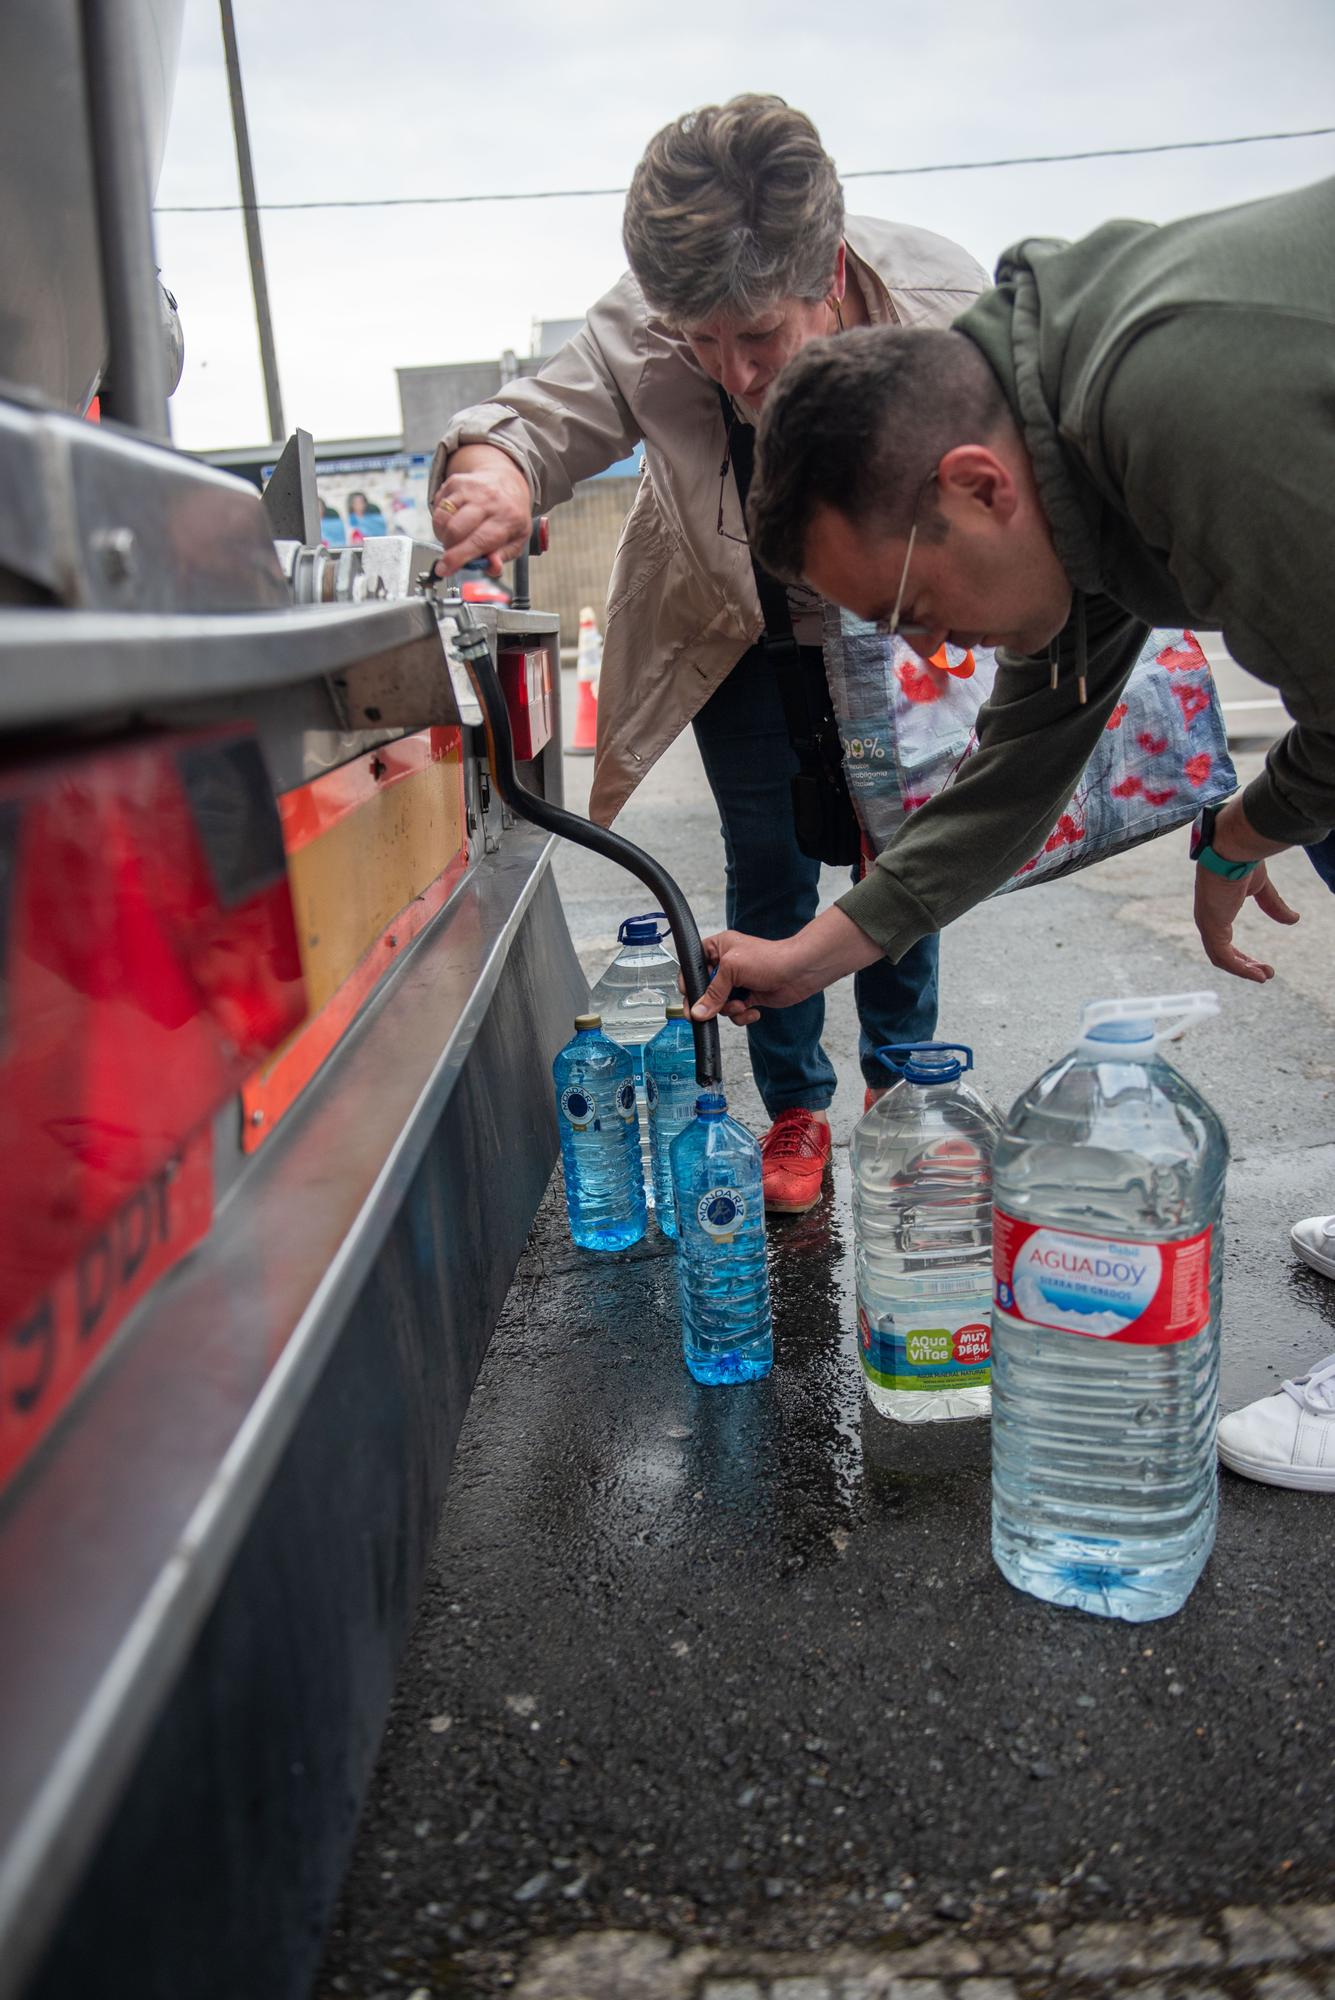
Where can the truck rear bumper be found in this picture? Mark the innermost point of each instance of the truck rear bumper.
(210, 1569)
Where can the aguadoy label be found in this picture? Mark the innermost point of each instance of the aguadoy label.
(929, 1345)
(1105, 1287)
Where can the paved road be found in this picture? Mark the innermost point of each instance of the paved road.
(717, 1695)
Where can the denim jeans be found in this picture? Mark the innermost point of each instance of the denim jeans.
(773, 889)
(1322, 857)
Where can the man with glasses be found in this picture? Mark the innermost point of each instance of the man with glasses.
(1136, 429)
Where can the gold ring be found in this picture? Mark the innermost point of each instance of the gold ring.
(448, 506)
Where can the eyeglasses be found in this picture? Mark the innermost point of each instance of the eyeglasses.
(723, 472)
(890, 628)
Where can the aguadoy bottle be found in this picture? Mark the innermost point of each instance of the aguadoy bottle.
(670, 1090)
(600, 1144)
(632, 996)
(722, 1271)
(922, 1232)
(1108, 1250)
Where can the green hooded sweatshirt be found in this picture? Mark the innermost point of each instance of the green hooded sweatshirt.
(1175, 389)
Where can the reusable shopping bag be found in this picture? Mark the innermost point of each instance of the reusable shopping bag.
(907, 727)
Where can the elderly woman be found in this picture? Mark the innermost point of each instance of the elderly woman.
(740, 253)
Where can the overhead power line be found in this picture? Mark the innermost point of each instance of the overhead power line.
(857, 174)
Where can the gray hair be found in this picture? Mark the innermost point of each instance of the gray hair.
(732, 208)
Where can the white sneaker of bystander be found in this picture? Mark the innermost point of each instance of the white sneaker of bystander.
(1287, 1439)
(1314, 1240)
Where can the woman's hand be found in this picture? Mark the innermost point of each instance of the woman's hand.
(779, 973)
(482, 507)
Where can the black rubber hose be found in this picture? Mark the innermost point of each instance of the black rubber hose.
(473, 649)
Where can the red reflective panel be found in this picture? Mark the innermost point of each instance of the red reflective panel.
(148, 961)
(526, 682)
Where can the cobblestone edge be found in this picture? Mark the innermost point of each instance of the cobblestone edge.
(1239, 1953)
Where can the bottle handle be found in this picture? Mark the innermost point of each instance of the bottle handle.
(1177, 1011)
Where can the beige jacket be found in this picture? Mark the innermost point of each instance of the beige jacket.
(681, 605)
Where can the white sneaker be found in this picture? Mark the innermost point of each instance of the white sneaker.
(1287, 1439)
(1314, 1241)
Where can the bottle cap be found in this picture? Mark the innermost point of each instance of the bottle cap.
(927, 1062)
(588, 1020)
(643, 930)
(711, 1104)
(675, 1010)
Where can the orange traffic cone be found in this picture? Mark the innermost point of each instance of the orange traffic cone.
(587, 669)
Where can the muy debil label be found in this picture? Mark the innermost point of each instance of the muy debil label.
(937, 1348)
(1105, 1287)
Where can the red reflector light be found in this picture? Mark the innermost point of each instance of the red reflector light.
(148, 962)
(526, 682)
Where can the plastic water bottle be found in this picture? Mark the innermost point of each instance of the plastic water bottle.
(922, 1232)
(600, 1149)
(1108, 1250)
(726, 1330)
(632, 996)
(670, 1091)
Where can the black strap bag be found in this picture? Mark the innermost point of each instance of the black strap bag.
(823, 817)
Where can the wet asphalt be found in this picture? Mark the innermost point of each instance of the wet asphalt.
(735, 1665)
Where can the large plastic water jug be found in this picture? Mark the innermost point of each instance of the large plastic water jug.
(922, 1234)
(632, 996)
(1108, 1185)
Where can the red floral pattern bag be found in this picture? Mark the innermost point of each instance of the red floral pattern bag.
(908, 726)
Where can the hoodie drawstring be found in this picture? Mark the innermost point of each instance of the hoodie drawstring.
(1081, 653)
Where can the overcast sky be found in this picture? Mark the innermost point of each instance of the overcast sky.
(424, 98)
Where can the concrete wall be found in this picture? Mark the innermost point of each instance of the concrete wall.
(429, 397)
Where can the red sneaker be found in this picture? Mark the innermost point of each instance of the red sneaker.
(872, 1095)
(794, 1154)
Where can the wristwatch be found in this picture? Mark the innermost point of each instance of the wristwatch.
(1203, 854)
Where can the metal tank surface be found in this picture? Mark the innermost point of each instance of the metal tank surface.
(282, 980)
(53, 323)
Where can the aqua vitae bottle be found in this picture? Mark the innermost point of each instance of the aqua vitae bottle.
(922, 1232)
(600, 1139)
(632, 996)
(722, 1272)
(670, 1091)
(1108, 1187)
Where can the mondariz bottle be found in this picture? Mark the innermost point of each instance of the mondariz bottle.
(722, 1272)
(600, 1139)
(1107, 1188)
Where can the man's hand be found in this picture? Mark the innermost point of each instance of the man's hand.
(779, 973)
(1218, 903)
(482, 507)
